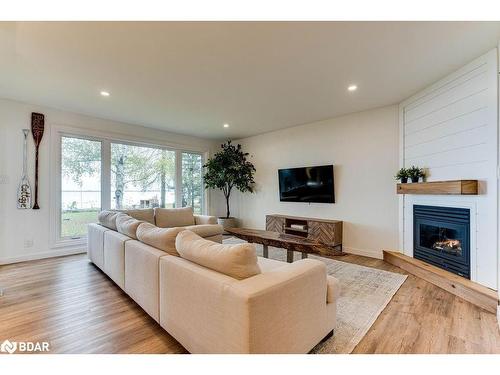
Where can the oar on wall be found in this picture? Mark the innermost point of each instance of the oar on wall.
(37, 128)
(24, 190)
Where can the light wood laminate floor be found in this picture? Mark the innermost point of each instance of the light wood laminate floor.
(78, 309)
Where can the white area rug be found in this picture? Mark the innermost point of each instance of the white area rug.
(364, 295)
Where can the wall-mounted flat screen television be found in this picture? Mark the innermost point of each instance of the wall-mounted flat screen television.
(307, 184)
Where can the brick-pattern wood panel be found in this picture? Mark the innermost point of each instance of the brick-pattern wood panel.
(275, 223)
(328, 233)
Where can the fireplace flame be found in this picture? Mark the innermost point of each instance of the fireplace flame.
(447, 245)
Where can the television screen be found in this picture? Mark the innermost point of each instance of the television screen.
(308, 184)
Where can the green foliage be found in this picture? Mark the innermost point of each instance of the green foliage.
(81, 158)
(415, 172)
(228, 169)
(402, 173)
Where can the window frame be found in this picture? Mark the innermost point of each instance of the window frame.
(57, 132)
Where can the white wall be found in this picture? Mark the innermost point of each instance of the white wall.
(17, 226)
(451, 128)
(364, 149)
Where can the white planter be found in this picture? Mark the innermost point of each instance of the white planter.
(227, 222)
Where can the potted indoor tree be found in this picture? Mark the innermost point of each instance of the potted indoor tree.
(229, 169)
(402, 175)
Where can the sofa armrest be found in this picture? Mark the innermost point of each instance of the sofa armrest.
(204, 219)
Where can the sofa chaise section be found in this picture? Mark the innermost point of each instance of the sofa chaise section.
(283, 310)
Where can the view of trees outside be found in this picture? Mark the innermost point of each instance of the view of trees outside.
(192, 186)
(80, 185)
(141, 177)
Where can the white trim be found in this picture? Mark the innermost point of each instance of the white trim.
(123, 138)
(178, 178)
(105, 175)
(498, 177)
(44, 255)
(401, 197)
(378, 254)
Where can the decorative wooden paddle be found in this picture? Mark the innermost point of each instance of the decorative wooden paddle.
(37, 127)
(24, 190)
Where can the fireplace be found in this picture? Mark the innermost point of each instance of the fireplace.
(441, 236)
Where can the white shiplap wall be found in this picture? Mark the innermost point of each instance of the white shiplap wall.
(451, 129)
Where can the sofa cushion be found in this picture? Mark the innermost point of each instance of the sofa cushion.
(174, 217)
(238, 261)
(160, 238)
(206, 230)
(114, 256)
(108, 219)
(204, 219)
(144, 214)
(95, 243)
(142, 263)
(127, 225)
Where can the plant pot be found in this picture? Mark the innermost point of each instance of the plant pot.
(415, 179)
(230, 222)
(404, 180)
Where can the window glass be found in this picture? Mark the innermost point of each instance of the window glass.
(80, 185)
(192, 181)
(142, 177)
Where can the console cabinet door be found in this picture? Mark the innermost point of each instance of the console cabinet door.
(322, 232)
(275, 223)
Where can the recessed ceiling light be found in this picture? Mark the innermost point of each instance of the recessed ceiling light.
(352, 88)
(105, 93)
(226, 125)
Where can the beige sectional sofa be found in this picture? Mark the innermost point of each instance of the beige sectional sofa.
(213, 298)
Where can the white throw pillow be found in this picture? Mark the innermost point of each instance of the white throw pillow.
(238, 261)
(127, 225)
(108, 219)
(160, 238)
(143, 214)
(174, 217)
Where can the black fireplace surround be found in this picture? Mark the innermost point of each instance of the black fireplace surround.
(441, 236)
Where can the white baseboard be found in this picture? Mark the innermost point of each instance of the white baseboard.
(45, 254)
(366, 253)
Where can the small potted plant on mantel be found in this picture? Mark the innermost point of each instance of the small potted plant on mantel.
(228, 169)
(415, 173)
(402, 176)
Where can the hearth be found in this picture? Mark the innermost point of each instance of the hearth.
(441, 236)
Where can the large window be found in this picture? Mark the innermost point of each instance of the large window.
(80, 185)
(97, 173)
(142, 177)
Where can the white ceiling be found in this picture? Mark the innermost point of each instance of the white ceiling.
(192, 77)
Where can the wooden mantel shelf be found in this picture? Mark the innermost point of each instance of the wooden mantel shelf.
(456, 187)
